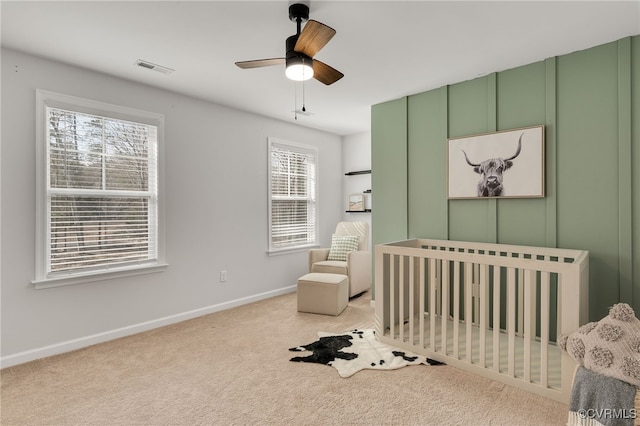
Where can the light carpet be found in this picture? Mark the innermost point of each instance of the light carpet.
(233, 368)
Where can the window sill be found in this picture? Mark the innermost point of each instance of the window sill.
(277, 252)
(62, 280)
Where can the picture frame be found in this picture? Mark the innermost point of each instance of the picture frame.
(356, 203)
(504, 164)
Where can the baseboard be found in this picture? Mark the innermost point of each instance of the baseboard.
(83, 342)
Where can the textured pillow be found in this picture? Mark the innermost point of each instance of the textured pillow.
(341, 245)
(610, 346)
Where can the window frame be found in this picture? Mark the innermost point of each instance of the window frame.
(299, 148)
(43, 279)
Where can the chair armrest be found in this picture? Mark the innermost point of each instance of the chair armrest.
(359, 265)
(359, 258)
(317, 255)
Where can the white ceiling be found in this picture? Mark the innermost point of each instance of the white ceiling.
(386, 49)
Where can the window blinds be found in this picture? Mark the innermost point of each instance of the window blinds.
(101, 191)
(293, 196)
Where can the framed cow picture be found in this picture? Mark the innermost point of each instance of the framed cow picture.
(505, 164)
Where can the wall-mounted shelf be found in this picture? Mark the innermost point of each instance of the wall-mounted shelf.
(359, 172)
(366, 191)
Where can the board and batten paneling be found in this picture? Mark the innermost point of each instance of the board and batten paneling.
(587, 154)
(589, 103)
(521, 102)
(389, 171)
(468, 114)
(427, 208)
(635, 172)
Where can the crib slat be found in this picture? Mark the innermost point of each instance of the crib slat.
(544, 328)
(520, 331)
(511, 321)
(476, 294)
(468, 309)
(411, 298)
(401, 298)
(496, 318)
(432, 304)
(529, 320)
(438, 283)
(484, 308)
(456, 310)
(392, 293)
(559, 306)
(444, 319)
(421, 302)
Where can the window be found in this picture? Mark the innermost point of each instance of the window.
(98, 203)
(293, 220)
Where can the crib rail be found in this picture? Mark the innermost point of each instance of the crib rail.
(492, 309)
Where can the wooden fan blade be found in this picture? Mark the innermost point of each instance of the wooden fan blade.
(324, 73)
(314, 36)
(260, 63)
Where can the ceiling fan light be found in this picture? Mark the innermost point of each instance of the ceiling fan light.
(298, 69)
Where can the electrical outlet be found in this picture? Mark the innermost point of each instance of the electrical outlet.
(223, 276)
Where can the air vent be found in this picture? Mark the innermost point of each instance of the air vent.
(155, 67)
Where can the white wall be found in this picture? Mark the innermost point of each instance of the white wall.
(356, 155)
(216, 214)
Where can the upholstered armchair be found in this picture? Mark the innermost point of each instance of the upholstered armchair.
(347, 256)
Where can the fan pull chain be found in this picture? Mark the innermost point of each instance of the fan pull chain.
(295, 101)
(304, 108)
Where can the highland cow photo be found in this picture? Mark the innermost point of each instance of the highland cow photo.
(506, 164)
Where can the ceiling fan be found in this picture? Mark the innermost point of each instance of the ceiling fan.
(301, 49)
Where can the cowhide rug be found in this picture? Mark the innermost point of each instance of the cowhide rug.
(357, 350)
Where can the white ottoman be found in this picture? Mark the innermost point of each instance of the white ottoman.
(320, 293)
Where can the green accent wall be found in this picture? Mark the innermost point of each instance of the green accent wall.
(589, 103)
(389, 157)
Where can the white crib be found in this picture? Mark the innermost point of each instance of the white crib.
(491, 309)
